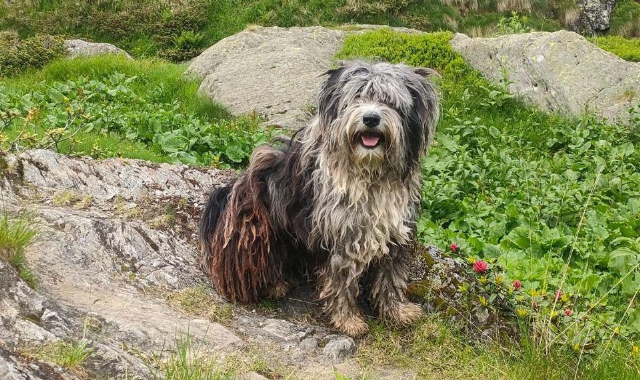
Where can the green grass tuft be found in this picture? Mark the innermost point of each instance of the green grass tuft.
(15, 235)
(187, 363)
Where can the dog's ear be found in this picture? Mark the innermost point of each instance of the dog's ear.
(427, 73)
(329, 99)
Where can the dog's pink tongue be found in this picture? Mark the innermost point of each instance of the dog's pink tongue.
(370, 140)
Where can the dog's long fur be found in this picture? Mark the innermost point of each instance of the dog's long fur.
(327, 201)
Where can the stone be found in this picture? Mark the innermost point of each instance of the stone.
(557, 72)
(272, 71)
(308, 344)
(275, 72)
(82, 48)
(339, 348)
(595, 16)
(251, 376)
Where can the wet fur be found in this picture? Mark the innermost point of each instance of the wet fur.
(322, 203)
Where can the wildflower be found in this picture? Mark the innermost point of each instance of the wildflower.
(565, 298)
(471, 259)
(483, 301)
(568, 312)
(517, 285)
(522, 312)
(453, 247)
(558, 294)
(463, 288)
(499, 279)
(480, 266)
(483, 280)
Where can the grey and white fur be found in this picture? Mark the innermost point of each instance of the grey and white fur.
(340, 198)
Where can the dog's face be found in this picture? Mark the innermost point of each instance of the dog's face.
(377, 114)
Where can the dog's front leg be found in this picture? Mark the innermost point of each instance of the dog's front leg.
(389, 288)
(339, 284)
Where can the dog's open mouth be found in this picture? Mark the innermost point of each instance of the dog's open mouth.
(371, 140)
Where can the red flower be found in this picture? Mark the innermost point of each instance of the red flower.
(517, 285)
(480, 266)
(568, 312)
(454, 247)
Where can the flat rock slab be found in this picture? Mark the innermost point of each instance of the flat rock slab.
(106, 268)
(559, 72)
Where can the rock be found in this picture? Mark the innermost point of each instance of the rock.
(106, 272)
(308, 344)
(594, 16)
(275, 72)
(557, 72)
(251, 376)
(339, 348)
(82, 48)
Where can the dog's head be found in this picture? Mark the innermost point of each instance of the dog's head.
(378, 113)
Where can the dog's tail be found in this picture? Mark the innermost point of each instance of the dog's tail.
(217, 202)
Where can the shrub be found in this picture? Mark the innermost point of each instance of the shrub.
(17, 55)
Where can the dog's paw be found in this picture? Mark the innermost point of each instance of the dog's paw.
(279, 290)
(354, 326)
(403, 314)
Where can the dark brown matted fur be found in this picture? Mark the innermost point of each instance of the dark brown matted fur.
(340, 198)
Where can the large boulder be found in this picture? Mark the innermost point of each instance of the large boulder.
(594, 16)
(560, 72)
(275, 72)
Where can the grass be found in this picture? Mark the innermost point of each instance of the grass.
(187, 363)
(435, 349)
(625, 48)
(70, 355)
(15, 235)
(199, 301)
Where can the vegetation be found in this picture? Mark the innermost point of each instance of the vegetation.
(179, 30)
(15, 235)
(19, 55)
(70, 355)
(111, 107)
(187, 363)
(625, 48)
(199, 301)
(549, 202)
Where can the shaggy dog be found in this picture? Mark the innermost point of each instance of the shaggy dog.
(340, 198)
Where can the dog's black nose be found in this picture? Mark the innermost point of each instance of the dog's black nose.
(371, 119)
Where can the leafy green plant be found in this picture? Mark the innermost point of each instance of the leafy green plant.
(80, 116)
(514, 24)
